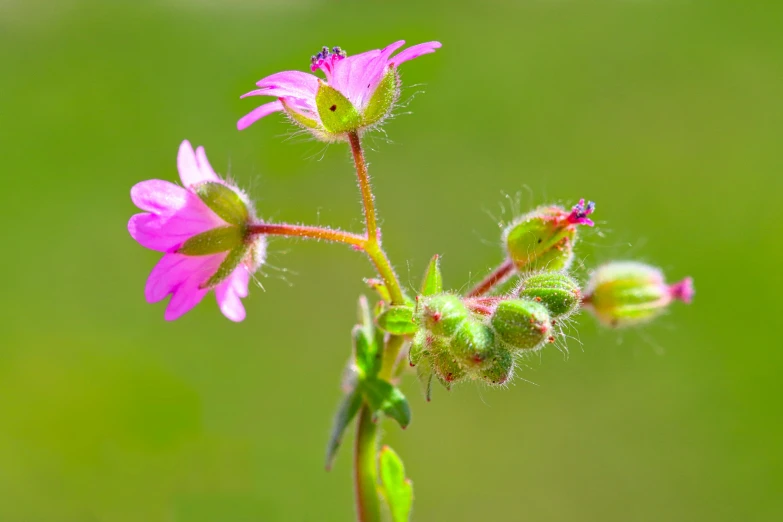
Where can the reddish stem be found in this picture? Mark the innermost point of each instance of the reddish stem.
(496, 277)
(326, 234)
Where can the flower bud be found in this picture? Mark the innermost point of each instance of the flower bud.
(521, 324)
(558, 292)
(447, 369)
(500, 367)
(544, 238)
(624, 293)
(441, 314)
(473, 344)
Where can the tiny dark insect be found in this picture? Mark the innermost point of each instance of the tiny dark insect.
(333, 108)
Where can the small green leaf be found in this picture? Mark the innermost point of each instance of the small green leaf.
(383, 397)
(398, 320)
(345, 414)
(338, 115)
(228, 265)
(224, 202)
(433, 280)
(395, 487)
(221, 239)
(382, 99)
(367, 351)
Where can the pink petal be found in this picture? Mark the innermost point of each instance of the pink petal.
(158, 196)
(414, 52)
(183, 300)
(352, 76)
(148, 231)
(175, 270)
(296, 84)
(229, 294)
(203, 165)
(190, 169)
(259, 112)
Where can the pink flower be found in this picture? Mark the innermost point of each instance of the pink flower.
(359, 91)
(202, 229)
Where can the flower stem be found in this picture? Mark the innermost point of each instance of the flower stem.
(368, 507)
(368, 199)
(497, 276)
(326, 234)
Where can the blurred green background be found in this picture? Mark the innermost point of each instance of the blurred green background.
(667, 113)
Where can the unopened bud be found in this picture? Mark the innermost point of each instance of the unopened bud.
(499, 368)
(473, 344)
(558, 292)
(521, 324)
(624, 293)
(544, 238)
(441, 314)
(447, 369)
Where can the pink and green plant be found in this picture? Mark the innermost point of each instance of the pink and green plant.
(211, 239)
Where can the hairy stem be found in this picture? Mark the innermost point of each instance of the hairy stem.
(368, 507)
(496, 277)
(326, 234)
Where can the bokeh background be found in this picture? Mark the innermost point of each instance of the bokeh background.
(668, 113)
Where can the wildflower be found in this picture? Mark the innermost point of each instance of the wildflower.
(202, 228)
(359, 91)
(623, 293)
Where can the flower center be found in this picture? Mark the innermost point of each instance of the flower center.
(326, 59)
(579, 213)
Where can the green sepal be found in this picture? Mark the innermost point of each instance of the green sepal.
(442, 314)
(433, 280)
(386, 398)
(232, 260)
(395, 487)
(338, 115)
(221, 239)
(540, 241)
(380, 288)
(224, 202)
(299, 117)
(398, 320)
(345, 413)
(382, 99)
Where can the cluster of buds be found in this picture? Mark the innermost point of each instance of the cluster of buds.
(480, 338)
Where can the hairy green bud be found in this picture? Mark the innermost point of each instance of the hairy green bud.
(473, 344)
(499, 367)
(441, 314)
(521, 324)
(624, 293)
(544, 238)
(558, 292)
(447, 369)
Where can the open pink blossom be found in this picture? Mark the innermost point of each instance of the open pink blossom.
(202, 230)
(359, 91)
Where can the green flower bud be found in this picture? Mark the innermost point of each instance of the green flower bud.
(500, 367)
(473, 344)
(441, 314)
(420, 347)
(521, 324)
(624, 293)
(544, 239)
(447, 369)
(558, 292)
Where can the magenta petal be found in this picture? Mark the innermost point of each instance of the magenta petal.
(147, 229)
(296, 84)
(191, 170)
(158, 196)
(204, 166)
(184, 299)
(259, 112)
(414, 52)
(177, 270)
(356, 77)
(229, 294)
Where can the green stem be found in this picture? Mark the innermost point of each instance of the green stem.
(325, 234)
(368, 508)
(365, 467)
